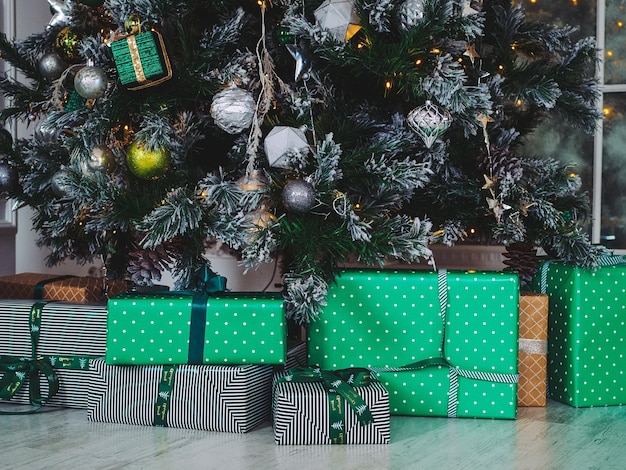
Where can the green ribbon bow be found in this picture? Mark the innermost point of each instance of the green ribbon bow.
(19, 369)
(339, 385)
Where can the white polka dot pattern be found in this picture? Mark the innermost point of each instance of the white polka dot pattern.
(392, 318)
(156, 329)
(587, 335)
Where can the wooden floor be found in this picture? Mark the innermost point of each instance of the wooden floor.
(555, 437)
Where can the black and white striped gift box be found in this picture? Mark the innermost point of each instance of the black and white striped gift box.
(67, 329)
(302, 416)
(204, 397)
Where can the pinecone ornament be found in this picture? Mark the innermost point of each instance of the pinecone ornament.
(146, 265)
(502, 161)
(521, 258)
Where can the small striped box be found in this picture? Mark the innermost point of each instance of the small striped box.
(65, 330)
(302, 415)
(204, 397)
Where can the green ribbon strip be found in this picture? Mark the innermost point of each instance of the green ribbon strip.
(38, 292)
(339, 386)
(19, 369)
(454, 373)
(166, 386)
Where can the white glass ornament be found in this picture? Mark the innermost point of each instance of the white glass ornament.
(429, 122)
(233, 109)
(280, 142)
(339, 17)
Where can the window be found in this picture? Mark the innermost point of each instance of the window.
(599, 159)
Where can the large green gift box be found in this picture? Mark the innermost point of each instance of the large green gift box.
(443, 343)
(181, 328)
(586, 333)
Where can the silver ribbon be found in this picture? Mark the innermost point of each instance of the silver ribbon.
(533, 346)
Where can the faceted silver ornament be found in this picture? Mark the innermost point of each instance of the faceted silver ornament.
(410, 14)
(298, 196)
(233, 109)
(429, 122)
(90, 82)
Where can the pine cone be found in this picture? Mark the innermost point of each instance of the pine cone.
(147, 265)
(503, 161)
(521, 258)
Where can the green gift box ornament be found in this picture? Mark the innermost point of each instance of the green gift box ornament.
(141, 58)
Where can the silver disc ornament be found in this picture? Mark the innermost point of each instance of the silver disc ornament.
(298, 196)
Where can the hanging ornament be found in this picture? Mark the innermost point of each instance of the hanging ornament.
(6, 140)
(298, 196)
(100, 160)
(51, 65)
(339, 18)
(60, 183)
(46, 133)
(67, 44)
(284, 35)
(283, 141)
(145, 163)
(60, 12)
(429, 122)
(256, 221)
(254, 180)
(410, 14)
(9, 178)
(233, 109)
(140, 58)
(90, 82)
(471, 53)
(302, 56)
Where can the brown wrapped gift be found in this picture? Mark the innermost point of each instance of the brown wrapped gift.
(80, 290)
(533, 358)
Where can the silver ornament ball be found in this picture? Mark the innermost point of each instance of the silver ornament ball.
(90, 82)
(233, 109)
(298, 196)
(410, 14)
(60, 183)
(101, 160)
(51, 65)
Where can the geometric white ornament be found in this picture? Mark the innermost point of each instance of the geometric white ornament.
(339, 18)
(283, 141)
(429, 122)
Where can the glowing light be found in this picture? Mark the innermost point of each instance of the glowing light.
(609, 53)
(500, 67)
(435, 51)
(519, 102)
(388, 84)
(620, 24)
(606, 111)
(418, 62)
(472, 230)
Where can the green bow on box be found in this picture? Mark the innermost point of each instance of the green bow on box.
(19, 369)
(339, 385)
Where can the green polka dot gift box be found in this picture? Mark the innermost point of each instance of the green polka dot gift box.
(178, 328)
(586, 332)
(443, 343)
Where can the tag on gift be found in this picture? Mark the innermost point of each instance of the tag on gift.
(141, 59)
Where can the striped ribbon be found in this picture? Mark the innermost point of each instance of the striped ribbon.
(339, 386)
(454, 371)
(601, 261)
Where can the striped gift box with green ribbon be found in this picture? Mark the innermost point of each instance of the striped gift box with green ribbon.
(64, 335)
(443, 343)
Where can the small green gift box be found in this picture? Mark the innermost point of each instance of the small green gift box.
(185, 328)
(141, 60)
(443, 343)
(586, 332)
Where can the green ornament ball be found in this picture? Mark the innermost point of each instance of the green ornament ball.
(147, 164)
(67, 44)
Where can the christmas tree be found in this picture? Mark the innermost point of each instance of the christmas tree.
(310, 132)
